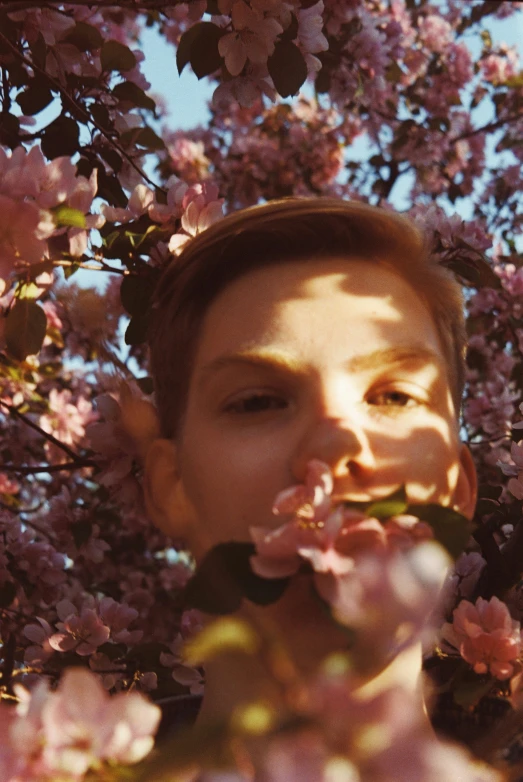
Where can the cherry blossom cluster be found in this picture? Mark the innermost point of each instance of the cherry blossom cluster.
(37, 199)
(63, 734)
(378, 576)
(399, 91)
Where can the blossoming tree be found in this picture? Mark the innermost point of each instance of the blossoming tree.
(92, 183)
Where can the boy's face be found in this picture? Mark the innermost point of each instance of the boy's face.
(335, 360)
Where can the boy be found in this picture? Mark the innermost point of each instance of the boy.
(298, 330)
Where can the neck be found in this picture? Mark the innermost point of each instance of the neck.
(235, 680)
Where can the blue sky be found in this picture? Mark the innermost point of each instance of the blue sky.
(187, 97)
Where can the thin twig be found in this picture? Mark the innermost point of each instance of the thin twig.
(139, 5)
(487, 128)
(29, 469)
(103, 267)
(30, 524)
(69, 451)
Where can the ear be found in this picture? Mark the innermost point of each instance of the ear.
(466, 492)
(163, 490)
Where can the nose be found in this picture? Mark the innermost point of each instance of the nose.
(342, 444)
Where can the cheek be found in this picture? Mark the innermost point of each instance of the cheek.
(231, 485)
(427, 454)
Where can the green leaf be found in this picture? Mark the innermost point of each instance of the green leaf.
(66, 215)
(393, 505)
(492, 492)
(135, 293)
(147, 653)
(28, 290)
(114, 56)
(514, 82)
(110, 189)
(485, 505)
(291, 32)
(225, 577)
(223, 635)
(129, 92)
(183, 53)
(112, 157)
(85, 37)
(394, 73)
(476, 271)
(201, 49)
(137, 330)
(450, 527)
(143, 137)
(7, 594)
(100, 114)
(112, 650)
(70, 270)
(60, 138)
(35, 98)
(38, 48)
(25, 328)
(468, 694)
(145, 384)
(9, 130)
(287, 68)
(81, 532)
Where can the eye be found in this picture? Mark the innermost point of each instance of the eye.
(256, 403)
(392, 398)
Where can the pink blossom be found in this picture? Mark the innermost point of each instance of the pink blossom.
(310, 500)
(188, 158)
(202, 208)
(486, 636)
(118, 617)
(22, 234)
(8, 485)
(64, 733)
(497, 69)
(42, 649)
(386, 598)
(327, 536)
(67, 420)
(435, 32)
(83, 631)
(374, 732)
(253, 37)
(141, 198)
(81, 198)
(84, 719)
(182, 673)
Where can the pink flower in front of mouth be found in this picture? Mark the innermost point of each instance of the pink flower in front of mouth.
(329, 537)
(330, 545)
(309, 500)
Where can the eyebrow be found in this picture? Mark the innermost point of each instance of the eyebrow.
(273, 358)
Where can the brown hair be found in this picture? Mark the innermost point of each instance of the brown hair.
(275, 233)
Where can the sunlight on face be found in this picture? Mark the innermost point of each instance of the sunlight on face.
(336, 360)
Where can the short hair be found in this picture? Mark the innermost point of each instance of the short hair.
(292, 229)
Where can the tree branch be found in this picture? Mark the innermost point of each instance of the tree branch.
(488, 128)
(132, 5)
(33, 469)
(102, 267)
(65, 448)
(79, 109)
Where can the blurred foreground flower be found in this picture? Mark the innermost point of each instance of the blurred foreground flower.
(63, 734)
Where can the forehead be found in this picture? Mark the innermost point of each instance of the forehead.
(347, 307)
